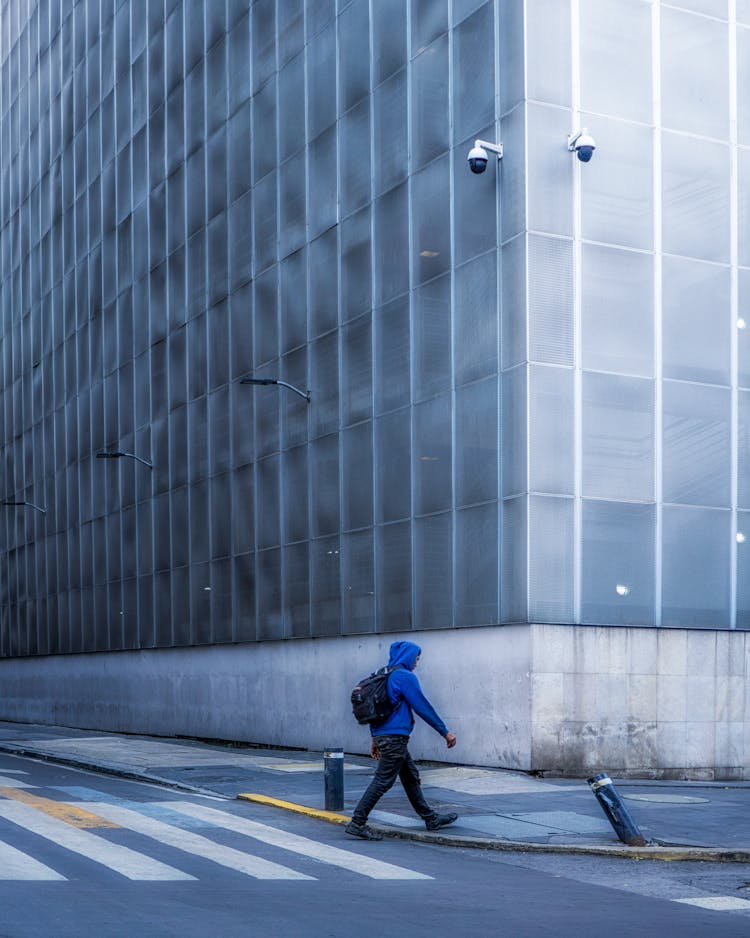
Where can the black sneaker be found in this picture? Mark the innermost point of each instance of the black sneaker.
(362, 831)
(440, 820)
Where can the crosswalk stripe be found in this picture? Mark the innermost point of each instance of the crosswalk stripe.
(129, 863)
(718, 903)
(78, 817)
(367, 866)
(13, 782)
(155, 809)
(194, 843)
(20, 866)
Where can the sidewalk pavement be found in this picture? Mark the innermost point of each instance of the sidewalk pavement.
(498, 809)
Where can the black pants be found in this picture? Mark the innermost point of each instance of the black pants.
(395, 762)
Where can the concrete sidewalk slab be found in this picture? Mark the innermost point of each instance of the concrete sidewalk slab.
(146, 753)
(484, 782)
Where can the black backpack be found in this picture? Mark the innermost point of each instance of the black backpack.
(370, 700)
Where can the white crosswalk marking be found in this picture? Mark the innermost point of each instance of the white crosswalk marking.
(160, 822)
(718, 903)
(20, 866)
(367, 866)
(192, 843)
(121, 859)
(6, 782)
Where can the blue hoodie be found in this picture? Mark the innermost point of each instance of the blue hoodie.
(405, 692)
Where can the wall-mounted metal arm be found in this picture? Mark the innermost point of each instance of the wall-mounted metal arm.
(12, 504)
(283, 384)
(496, 148)
(118, 454)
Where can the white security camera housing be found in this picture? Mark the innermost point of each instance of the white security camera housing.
(478, 156)
(582, 144)
(478, 159)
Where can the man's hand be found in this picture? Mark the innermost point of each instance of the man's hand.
(374, 751)
(450, 740)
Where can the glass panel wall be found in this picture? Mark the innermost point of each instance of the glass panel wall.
(635, 287)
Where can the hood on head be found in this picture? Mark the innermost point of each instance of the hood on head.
(405, 654)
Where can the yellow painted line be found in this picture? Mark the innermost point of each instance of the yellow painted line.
(330, 816)
(76, 817)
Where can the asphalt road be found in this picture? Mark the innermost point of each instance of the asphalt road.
(90, 855)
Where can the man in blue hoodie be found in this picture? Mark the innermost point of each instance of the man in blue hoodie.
(390, 740)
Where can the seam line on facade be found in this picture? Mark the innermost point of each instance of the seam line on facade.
(452, 241)
(412, 352)
(499, 434)
(658, 388)
(575, 29)
(734, 545)
(527, 317)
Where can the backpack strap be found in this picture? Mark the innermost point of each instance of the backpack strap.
(390, 671)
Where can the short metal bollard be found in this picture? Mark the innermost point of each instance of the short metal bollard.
(616, 812)
(333, 771)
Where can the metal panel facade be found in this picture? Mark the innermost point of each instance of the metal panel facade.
(193, 192)
(529, 388)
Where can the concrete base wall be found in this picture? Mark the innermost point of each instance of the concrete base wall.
(287, 693)
(667, 703)
(570, 700)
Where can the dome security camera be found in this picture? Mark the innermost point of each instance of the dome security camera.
(582, 144)
(478, 160)
(478, 156)
(585, 148)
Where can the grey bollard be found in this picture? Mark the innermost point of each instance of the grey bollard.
(616, 812)
(333, 772)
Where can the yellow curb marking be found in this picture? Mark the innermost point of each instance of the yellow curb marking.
(330, 816)
(77, 817)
